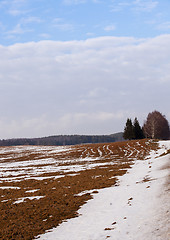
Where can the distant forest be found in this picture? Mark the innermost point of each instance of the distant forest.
(62, 140)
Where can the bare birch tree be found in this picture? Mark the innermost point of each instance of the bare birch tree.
(156, 126)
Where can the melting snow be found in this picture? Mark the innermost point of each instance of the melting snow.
(9, 187)
(20, 200)
(138, 208)
(32, 191)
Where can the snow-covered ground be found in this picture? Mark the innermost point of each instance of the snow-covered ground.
(136, 209)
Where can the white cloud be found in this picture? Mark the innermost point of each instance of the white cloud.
(18, 2)
(137, 5)
(31, 19)
(2, 27)
(77, 122)
(90, 34)
(89, 86)
(17, 30)
(15, 7)
(45, 36)
(145, 5)
(97, 1)
(16, 12)
(21, 127)
(75, 2)
(12, 2)
(22, 27)
(70, 2)
(68, 123)
(62, 25)
(110, 28)
(164, 26)
(119, 6)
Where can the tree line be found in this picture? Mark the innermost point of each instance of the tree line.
(62, 140)
(156, 126)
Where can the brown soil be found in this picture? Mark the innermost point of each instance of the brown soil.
(61, 199)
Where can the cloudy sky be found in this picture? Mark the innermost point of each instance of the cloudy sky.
(82, 66)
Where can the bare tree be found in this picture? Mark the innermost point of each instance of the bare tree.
(156, 126)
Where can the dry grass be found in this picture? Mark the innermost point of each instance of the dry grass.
(61, 183)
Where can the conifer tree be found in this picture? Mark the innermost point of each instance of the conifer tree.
(128, 130)
(138, 132)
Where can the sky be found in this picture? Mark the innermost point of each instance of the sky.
(82, 66)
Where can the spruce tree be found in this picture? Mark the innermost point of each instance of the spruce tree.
(138, 132)
(128, 130)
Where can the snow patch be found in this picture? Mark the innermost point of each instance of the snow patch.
(20, 200)
(9, 187)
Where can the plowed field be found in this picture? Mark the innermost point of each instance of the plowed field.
(41, 186)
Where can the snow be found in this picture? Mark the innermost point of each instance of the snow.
(19, 170)
(9, 187)
(85, 192)
(20, 200)
(32, 191)
(53, 149)
(14, 169)
(137, 208)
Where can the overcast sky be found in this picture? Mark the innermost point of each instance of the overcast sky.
(82, 66)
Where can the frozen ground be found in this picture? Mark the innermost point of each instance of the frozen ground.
(137, 209)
